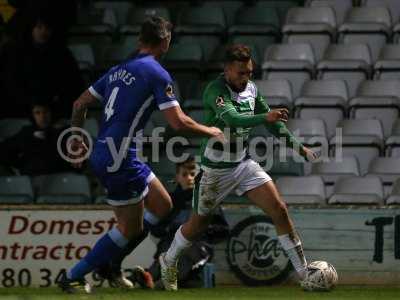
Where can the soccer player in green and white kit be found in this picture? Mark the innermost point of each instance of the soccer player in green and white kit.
(232, 101)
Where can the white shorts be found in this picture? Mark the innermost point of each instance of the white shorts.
(214, 185)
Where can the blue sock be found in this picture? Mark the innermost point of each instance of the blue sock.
(107, 248)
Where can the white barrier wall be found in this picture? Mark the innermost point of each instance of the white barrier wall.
(363, 244)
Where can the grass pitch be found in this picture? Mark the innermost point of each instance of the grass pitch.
(219, 293)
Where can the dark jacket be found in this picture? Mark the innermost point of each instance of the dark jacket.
(29, 74)
(33, 152)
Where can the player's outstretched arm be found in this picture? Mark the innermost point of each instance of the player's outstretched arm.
(276, 119)
(179, 121)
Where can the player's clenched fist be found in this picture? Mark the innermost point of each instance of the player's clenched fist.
(280, 114)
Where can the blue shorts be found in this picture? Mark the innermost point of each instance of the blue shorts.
(128, 185)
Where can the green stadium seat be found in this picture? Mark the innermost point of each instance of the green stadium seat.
(208, 43)
(120, 9)
(256, 20)
(84, 55)
(15, 190)
(117, 52)
(64, 188)
(261, 43)
(283, 6)
(92, 127)
(289, 167)
(205, 19)
(184, 62)
(164, 169)
(229, 7)
(137, 15)
(11, 126)
(235, 199)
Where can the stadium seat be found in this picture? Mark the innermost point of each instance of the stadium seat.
(347, 62)
(258, 41)
(282, 6)
(333, 169)
(229, 7)
(292, 62)
(341, 7)
(208, 43)
(387, 169)
(283, 166)
(358, 190)
(120, 9)
(277, 93)
(325, 99)
(257, 20)
(204, 19)
(392, 144)
(366, 25)
(15, 190)
(392, 5)
(84, 55)
(302, 190)
(94, 22)
(164, 169)
(184, 61)
(361, 138)
(377, 100)
(92, 127)
(65, 188)
(195, 100)
(11, 126)
(312, 131)
(158, 119)
(313, 25)
(117, 52)
(394, 197)
(137, 15)
(98, 43)
(388, 63)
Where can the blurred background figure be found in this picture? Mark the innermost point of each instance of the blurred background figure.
(33, 150)
(36, 65)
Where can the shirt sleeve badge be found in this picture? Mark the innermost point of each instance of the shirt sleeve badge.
(169, 91)
(220, 101)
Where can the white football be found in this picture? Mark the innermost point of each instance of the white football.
(321, 276)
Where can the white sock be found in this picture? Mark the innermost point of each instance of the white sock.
(294, 250)
(179, 244)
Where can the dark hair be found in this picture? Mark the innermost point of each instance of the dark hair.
(237, 52)
(154, 30)
(189, 163)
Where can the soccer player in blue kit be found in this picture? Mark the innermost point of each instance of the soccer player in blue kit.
(129, 92)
